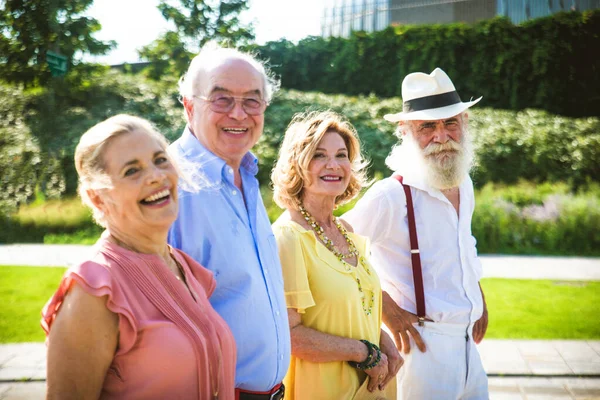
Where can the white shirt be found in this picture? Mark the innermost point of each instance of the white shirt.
(451, 269)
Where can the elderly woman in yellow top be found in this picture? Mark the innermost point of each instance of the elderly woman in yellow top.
(333, 294)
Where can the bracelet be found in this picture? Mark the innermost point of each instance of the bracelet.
(377, 358)
(372, 359)
(367, 360)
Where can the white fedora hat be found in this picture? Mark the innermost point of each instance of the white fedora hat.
(429, 97)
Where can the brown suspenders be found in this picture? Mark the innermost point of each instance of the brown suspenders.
(414, 253)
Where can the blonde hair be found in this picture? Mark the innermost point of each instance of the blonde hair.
(301, 140)
(89, 160)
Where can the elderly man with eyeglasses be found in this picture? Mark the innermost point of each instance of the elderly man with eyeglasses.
(224, 225)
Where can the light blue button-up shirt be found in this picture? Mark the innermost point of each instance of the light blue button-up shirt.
(234, 240)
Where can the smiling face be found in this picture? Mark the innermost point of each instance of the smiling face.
(143, 195)
(330, 169)
(229, 135)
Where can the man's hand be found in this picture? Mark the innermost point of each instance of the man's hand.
(480, 326)
(395, 361)
(400, 323)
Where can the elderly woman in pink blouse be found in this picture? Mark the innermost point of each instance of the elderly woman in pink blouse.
(134, 321)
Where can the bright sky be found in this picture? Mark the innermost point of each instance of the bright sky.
(135, 23)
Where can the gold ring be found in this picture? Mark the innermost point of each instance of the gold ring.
(381, 377)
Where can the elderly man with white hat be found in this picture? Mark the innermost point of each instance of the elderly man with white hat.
(419, 223)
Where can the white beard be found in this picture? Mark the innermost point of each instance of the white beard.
(441, 171)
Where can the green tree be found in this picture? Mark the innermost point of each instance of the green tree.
(29, 29)
(196, 22)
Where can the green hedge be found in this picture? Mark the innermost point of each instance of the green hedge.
(529, 144)
(50, 221)
(40, 129)
(547, 63)
(532, 219)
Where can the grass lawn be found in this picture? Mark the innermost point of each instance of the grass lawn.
(524, 309)
(23, 293)
(542, 309)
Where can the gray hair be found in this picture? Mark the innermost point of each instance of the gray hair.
(211, 54)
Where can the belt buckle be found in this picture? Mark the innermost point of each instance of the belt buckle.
(279, 394)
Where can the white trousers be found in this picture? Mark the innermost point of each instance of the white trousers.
(450, 369)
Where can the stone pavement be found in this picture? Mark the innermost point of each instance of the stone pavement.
(42, 255)
(518, 369)
(538, 388)
(494, 266)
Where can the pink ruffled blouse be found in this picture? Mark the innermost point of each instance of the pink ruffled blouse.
(170, 344)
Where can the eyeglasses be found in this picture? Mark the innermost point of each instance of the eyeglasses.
(223, 104)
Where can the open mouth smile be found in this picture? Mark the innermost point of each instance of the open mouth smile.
(235, 131)
(157, 198)
(331, 178)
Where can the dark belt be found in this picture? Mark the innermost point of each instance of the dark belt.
(277, 393)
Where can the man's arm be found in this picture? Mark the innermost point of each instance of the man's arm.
(400, 323)
(480, 326)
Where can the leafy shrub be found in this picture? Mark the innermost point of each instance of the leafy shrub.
(546, 63)
(19, 152)
(548, 219)
(529, 144)
(50, 221)
(534, 145)
(40, 129)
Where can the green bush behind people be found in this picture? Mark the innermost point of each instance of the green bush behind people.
(42, 126)
(548, 63)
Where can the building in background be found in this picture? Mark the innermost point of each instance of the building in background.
(340, 17)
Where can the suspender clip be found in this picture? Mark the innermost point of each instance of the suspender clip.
(414, 251)
(421, 321)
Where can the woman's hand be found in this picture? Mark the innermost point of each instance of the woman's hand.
(378, 373)
(395, 361)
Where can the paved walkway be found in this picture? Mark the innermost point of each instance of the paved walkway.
(518, 369)
(494, 266)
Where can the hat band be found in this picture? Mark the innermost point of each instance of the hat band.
(434, 101)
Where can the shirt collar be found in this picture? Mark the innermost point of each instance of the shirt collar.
(212, 165)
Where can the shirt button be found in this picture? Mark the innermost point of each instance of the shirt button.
(277, 313)
(281, 357)
(230, 170)
(266, 271)
(234, 192)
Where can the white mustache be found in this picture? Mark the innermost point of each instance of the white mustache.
(435, 148)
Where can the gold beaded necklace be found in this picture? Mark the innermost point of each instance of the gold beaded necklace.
(352, 251)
